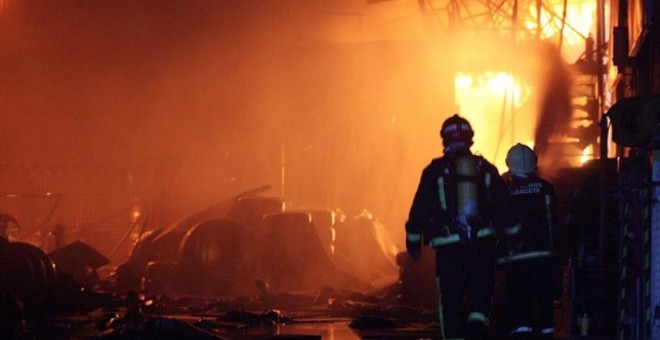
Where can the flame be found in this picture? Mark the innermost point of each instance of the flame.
(579, 22)
(490, 101)
(495, 103)
(136, 211)
(587, 154)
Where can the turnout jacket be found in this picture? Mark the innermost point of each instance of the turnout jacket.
(535, 204)
(433, 216)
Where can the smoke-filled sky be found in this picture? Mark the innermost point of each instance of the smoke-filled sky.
(336, 104)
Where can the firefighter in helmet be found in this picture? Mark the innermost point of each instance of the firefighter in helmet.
(529, 260)
(458, 206)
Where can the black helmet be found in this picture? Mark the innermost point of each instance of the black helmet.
(456, 129)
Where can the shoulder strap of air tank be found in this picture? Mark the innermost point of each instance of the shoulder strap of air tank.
(483, 173)
(449, 185)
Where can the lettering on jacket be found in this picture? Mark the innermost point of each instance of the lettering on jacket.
(528, 189)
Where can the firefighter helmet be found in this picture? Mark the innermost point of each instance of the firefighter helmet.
(456, 129)
(521, 159)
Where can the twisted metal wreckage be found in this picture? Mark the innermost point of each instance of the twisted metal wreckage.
(232, 270)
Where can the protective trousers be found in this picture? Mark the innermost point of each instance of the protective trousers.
(466, 277)
(531, 290)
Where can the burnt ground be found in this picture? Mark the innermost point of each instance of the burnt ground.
(326, 314)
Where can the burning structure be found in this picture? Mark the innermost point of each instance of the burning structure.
(124, 120)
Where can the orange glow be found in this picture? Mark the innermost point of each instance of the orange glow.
(136, 211)
(491, 102)
(333, 104)
(580, 19)
(503, 87)
(587, 154)
(136, 215)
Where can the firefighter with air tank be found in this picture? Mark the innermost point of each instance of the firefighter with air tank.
(460, 203)
(529, 259)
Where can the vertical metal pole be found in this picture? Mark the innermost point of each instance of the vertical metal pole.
(653, 305)
(623, 251)
(514, 21)
(282, 168)
(539, 4)
(600, 38)
(635, 329)
(512, 88)
(602, 195)
(600, 42)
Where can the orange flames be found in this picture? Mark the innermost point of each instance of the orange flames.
(503, 105)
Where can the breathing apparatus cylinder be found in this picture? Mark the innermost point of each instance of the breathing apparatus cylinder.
(467, 192)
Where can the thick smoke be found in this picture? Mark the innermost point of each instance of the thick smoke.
(216, 98)
(554, 104)
(332, 106)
